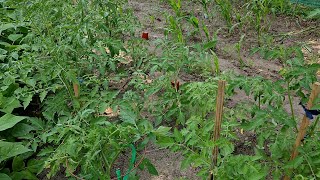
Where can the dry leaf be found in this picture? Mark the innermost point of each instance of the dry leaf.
(127, 59)
(107, 50)
(148, 81)
(109, 112)
(96, 52)
(145, 79)
(99, 53)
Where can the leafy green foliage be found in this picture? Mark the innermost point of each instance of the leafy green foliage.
(226, 10)
(54, 50)
(152, 170)
(76, 86)
(242, 167)
(8, 121)
(9, 149)
(280, 53)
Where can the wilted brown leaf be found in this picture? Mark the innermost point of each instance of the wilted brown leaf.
(109, 112)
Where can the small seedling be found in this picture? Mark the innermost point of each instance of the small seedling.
(238, 46)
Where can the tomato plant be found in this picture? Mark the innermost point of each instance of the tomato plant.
(80, 89)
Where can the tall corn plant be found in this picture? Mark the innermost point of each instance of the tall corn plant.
(225, 10)
(260, 9)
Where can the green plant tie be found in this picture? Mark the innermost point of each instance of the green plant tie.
(118, 172)
(131, 165)
(313, 3)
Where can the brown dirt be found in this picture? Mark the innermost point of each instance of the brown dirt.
(59, 176)
(167, 164)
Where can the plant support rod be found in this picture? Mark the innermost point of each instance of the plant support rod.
(218, 120)
(304, 124)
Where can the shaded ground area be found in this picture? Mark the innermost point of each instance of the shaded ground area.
(168, 165)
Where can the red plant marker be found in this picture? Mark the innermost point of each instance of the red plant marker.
(175, 85)
(145, 35)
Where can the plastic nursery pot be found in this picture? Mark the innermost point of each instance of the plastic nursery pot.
(145, 35)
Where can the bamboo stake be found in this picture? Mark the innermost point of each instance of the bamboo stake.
(304, 124)
(218, 120)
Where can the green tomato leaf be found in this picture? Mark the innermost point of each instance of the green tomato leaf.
(4, 177)
(14, 37)
(2, 51)
(9, 104)
(6, 26)
(23, 175)
(43, 95)
(10, 149)
(37, 123)
(35, 165)
(162, 131)
(165, 141)
(17, 164)
(15, 55)
(8, 121)
(152, 170)
(21, 129)
(45, 151)
(185, 163)
(27, 100)
(128, 115)
(2, 57)
(178, 136)
(31, 82)
(103, 106)
(294, 163)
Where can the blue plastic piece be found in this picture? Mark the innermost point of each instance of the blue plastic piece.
(310, 113)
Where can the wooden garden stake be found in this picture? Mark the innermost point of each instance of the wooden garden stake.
(218, 120)
(76, 89)
(304, 124)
